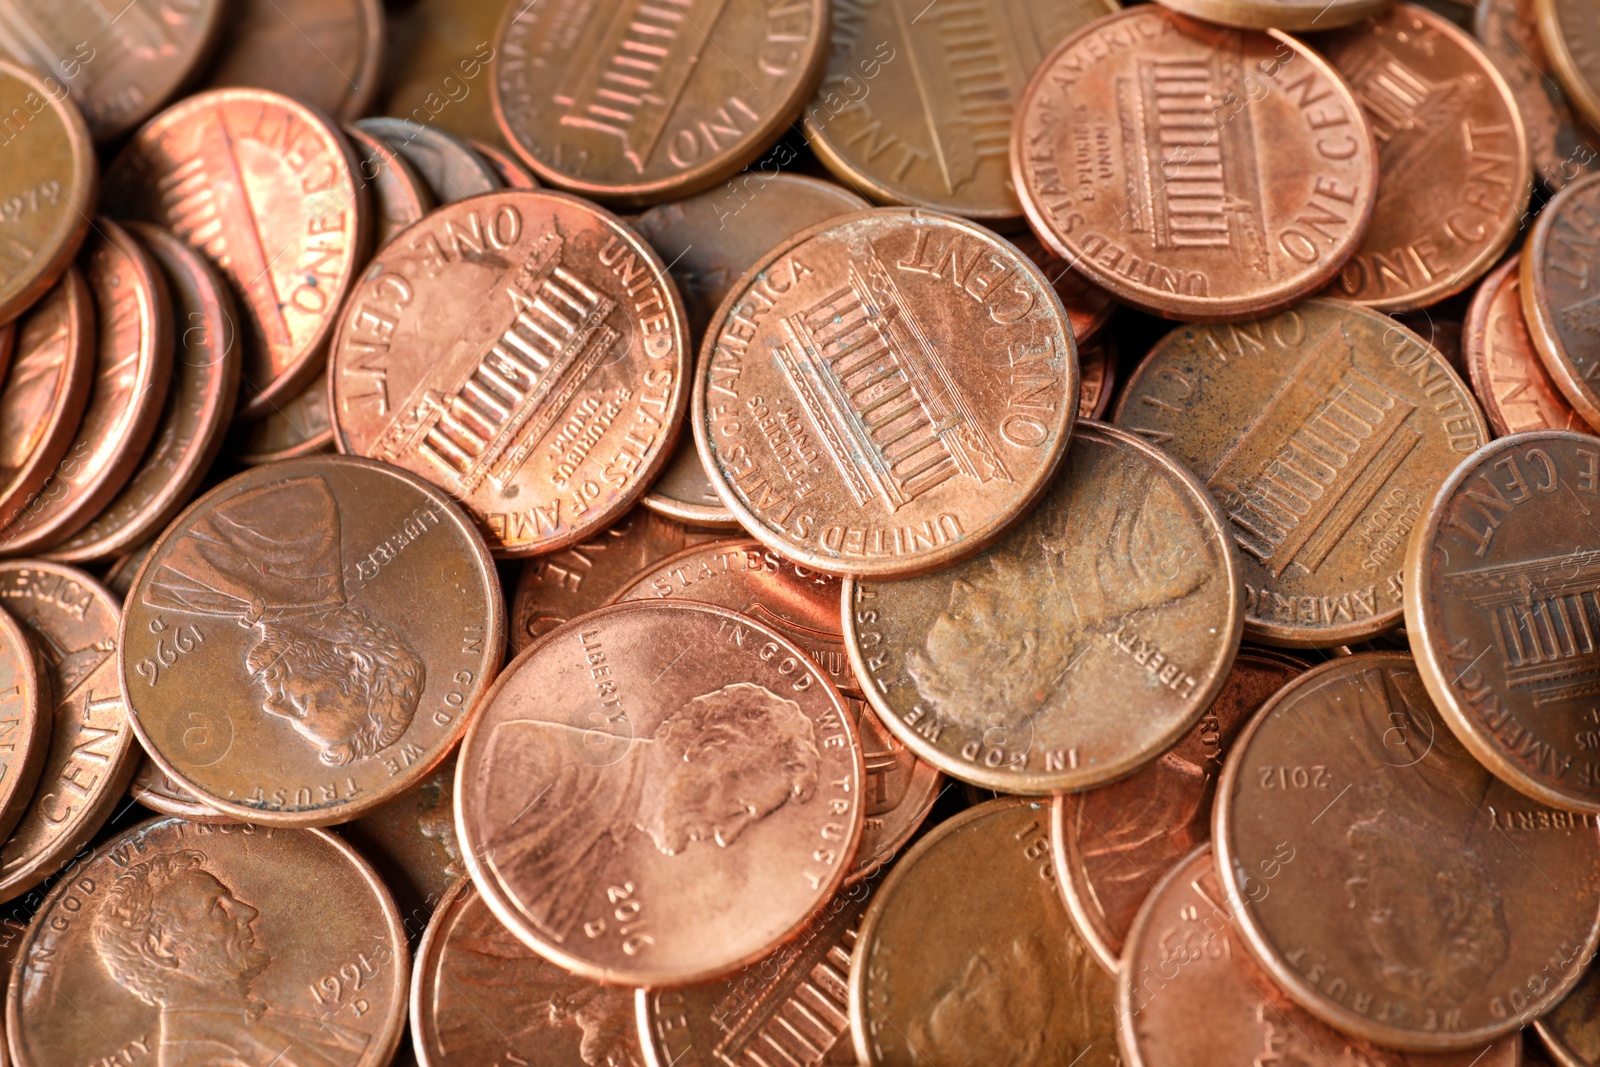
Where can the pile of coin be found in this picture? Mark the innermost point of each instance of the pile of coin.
(970, 533)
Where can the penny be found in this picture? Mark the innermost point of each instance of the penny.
(449, 168)
(480, 996)
(399, 195)
(1562, 147)
(26, 701)
(71, 621)
(1089, 308)
(1322, 433)
(1017, 669)
(509, 169)
(1556, 299)
(633, 103)
(526, 352)
(1112, 845)
(117, 70)
(1573, 46)
(274, 660)
(966, 956)
(659, 793)
(326, 53)
(1097, 377)
(161, 793)
(208, 168)
(1187, 962)
(914, 388)
(1508, 377)
(1571, 1030)
(1386, 881)
(411, 840)
(47, 188)
(119, 576)
(188, 943)
(1293, 15)
(1233, 172)
(436, 59)
(300, 427)
(1440, 111)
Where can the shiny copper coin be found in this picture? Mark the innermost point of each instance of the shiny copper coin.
(525, 351)
(1193, 171)
(1572, 42)
(480, 996)
(1440, 112)
(411, 840)
(71, 621)
(47, 187)
(1571, 1030)
(1112, 845)
(659, 793)
(1386, 881)
(1557, 295)
(966, 956)
(399, 195)
(437, 64)
(161, 793)
(1293, 15)
(1322, 432)
(326, 53)
(1508, 377)
(507, 167)
(449, 167)
(300, 427)
(26, 703)
(1563, 147)
(1088, 306)
(1097, 377)
(1191, 996)
(913, 386)
(274, 659)
(266, 188)
(180, 943)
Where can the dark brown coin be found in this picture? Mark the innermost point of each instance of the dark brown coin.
(1292, 15)
(437, 64)
(1516, 392)
(275, 660)
(451, 170)
(1388, 883)
(411, 840)
(1322, 432)
(1097, 377)
(1562, 309)
(635, 102)
(1088, 306)
(161, 793)
(1113, 844)
(1563, 147)
(1534, 1051)
(1567, 29)
(26, 706)
(525, 351)
(399, 195)
(326, 53)
(659, 793)
(299, 427)
(181, 943)
(508, 168)
(1571, 1030)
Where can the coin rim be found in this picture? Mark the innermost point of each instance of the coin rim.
(1127, 1035)
(1583, 95)
(1276, 14)
(32, 747)
(1475, 340)
(387, 129)
(1540, 315)
(419, 988)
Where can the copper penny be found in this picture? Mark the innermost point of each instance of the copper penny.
(1077, 649)
(1113, 844)
(480, 996)
(274, 659)
(188, 944)
(1440, 111)
(1097, 377)
(437, 59)
(525, 351)
(914, 389)
(301, 426)
(120, 574)
(1193, 171)
(1293, 15)
(71, 621)
(326, 53)
(1509, 378)
(659, 793)
(1191, 996)
(1322, 432)
(1563, 147)
(1571, 1030)
(411, 840)
(1573, 44)
(161, 793)
(399, 195)
(47, 187)
(26, 703)
(1388, 883)
(507, 167)
(1088, 306)
(448, 166)
(966, 957)
(266, 188)
(1557, 298)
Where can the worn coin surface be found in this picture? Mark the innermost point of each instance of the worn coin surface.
(659, 793)
(1558, 296)
(1085, 643)
(1292, 15)
(633, 102)
(1507, 375)
(448, 166)
(1322, 432)
(411, 841)
(525, 351)
(507, 167)
(1388, 883)
(26, 705)
(1572, 41)
(1194, 171)
(1563, 147)
(190, 944)
(275, 659)
(399, 195)
(326, 53)
(1571, 1030)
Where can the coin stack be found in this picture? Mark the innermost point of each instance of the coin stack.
(660, 533)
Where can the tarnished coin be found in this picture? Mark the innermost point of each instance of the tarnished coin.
(507, 167)
(117, 64)
(71, 621)
(1388, 883)
(307, 639)
(635, 102)
(1088, 306)
(1509, 378)
(300, 426)
(120, 574)
(912, 389)
(1112, 844)
(1534, 1052)
(1097, 377)
(437, 59)
(480, 996)
(525, 351)
(47, 187)
(1571, 1030)
(1441, 112)
(1322, 433)
(1293, 15)
(451, 170)
(659, 793)
(1563, 148)
(411, 841)
(161, 793)
(966, 956)
(326, 53)
(1572, 41)
(1194, 171)
(188, 944)
(1077, 649)
(399, 195)
(1191, 996)
(1561, 303)
(26, 704)
(266, 188)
